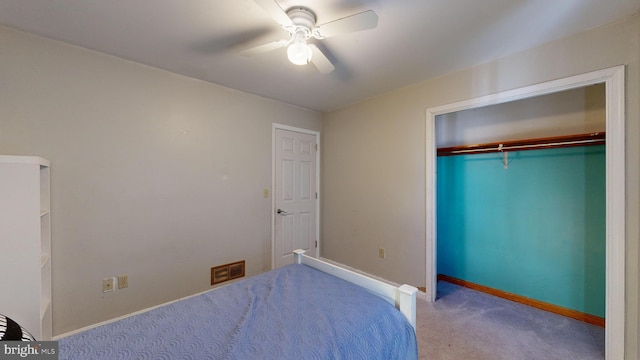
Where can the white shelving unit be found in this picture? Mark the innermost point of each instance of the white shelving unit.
(25, 243)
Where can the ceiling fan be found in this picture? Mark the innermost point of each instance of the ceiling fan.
(300, 23)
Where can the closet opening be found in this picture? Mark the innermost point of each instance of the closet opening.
(447, 128)
(525, 218)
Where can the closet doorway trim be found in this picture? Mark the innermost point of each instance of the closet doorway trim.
(613, 78)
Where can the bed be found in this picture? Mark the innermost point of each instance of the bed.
(311, 309)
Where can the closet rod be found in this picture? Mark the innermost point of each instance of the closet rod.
(589, 139)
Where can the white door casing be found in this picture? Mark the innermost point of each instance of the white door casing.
(295, 192)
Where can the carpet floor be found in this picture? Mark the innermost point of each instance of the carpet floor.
(470, 325)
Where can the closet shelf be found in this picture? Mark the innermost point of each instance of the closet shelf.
(597, 138)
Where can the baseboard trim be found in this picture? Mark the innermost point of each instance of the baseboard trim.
(573, 314)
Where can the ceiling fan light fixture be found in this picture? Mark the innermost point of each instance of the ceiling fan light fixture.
(300, 23)
(299, 52)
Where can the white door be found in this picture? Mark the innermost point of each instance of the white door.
(295, 195)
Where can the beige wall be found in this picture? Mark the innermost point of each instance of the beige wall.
(373, 158)
(154, 175)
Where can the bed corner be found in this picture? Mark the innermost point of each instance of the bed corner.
(402, 297)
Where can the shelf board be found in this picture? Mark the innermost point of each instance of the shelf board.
(597, 138)
(16, 159)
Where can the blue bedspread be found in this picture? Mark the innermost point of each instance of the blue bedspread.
(294, 312)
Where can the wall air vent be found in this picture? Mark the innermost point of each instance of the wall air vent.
(227, 272)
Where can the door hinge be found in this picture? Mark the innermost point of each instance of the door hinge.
(316, 195)
(316, 147)
(316, 243)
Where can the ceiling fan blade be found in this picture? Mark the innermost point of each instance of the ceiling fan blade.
(361, 21)
(260, 49)
(276, 12)
(320, 60)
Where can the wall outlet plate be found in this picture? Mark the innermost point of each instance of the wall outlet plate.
(107, 284)
(123, 281)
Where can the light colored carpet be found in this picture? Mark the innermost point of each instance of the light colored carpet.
(465, 324)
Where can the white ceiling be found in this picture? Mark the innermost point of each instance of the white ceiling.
(415, 39)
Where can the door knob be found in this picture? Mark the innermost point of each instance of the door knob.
(281, 212)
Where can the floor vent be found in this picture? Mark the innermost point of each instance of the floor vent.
(227, 272)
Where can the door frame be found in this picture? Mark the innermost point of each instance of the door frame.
(275, 127)
(614, 80)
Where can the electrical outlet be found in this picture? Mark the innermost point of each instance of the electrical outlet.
(123, 281)
(107, 284)
(381, 253)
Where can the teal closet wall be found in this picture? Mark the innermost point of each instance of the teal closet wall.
(536, 229)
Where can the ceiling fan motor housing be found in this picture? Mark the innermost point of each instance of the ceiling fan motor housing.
(304, 21)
